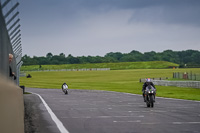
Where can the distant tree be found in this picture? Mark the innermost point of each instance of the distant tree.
(98, 59)
(91, 59)
(195, 57)
(191, 57)
(132, 56)
(62, 55)
(128, 58)
(34, 60)
(42, 61)
(150, 56)
(110, 59)
(134, 52)
(116, 55)
(83, 59)
(26, 59)
(171, 56)
(49, 55)
(72, 60)
(136, 55)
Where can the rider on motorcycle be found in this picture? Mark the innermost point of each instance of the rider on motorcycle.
(65, 88)
(148, 82)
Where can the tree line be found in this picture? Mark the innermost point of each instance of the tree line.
(188, 58)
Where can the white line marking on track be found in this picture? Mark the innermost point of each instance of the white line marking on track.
(118, 116)
(186, 122)
(99, 117)
(150, 123)
(156, 97)
(58, 123)
(161, 97)
(178, 99)
(127, 121)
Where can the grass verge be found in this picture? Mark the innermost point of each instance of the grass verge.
(115, 80)
(112, 66)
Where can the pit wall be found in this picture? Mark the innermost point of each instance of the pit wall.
(11, 107)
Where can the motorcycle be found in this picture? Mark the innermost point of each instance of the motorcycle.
(150, 93)
(65, 88)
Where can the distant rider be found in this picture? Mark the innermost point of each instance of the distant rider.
(148, 82)
(65, 88)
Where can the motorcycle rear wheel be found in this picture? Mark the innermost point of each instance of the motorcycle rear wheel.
(148, 104)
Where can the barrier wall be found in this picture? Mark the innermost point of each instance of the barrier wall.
(11, 96)
(84, 69)
(5, 49)
(186, 75)
(191, 84)
(11, 107)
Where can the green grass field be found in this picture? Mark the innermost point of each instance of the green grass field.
(113, 80)
(112, 66)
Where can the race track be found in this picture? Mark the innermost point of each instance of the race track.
(87, 111)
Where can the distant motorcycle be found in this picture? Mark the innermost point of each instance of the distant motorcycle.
(150, 93)
(65, 88)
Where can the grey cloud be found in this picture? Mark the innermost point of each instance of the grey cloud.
(155, 11)
(95, 27)
(133, 4)
(171, 15)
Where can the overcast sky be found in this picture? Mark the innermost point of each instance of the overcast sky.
(97, 27)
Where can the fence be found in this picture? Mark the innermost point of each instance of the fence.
(160, 78)
(11, 97)
(187, 76)
(84, 69)
(192, 84)
(161, 82)
(10, 37)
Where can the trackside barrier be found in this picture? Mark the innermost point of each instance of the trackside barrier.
(186, 75)
(84, 69)
(11, 107)
(11, 96)
(191, 84)
(10, 38)
(160, 78)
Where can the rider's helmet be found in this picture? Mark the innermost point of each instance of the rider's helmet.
(148, 80)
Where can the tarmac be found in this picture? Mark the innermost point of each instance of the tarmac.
(90, 111)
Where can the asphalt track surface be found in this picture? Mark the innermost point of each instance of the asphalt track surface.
(88, 111)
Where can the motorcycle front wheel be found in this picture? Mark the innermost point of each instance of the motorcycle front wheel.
(66, 91)
(151, 101)
(148, 101)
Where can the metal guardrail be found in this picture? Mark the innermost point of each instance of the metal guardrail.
(191, 84)
(160, 78)
(187, 76)
(161, 82)
(86, 69)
